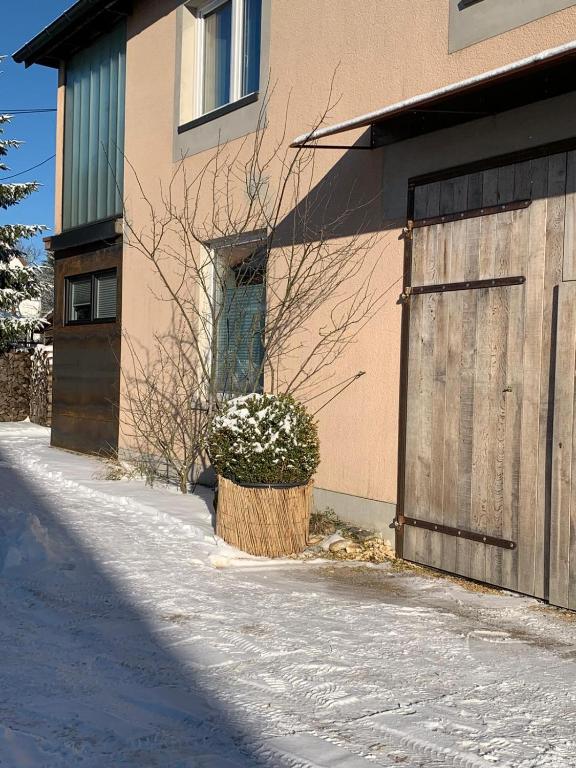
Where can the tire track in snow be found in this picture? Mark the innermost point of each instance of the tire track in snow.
(307, 689)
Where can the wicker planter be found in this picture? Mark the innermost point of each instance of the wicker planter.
(270, 521)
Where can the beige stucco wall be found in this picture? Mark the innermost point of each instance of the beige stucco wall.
(59, 165)
(379, 51)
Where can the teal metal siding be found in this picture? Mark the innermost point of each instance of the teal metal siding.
(94, 131)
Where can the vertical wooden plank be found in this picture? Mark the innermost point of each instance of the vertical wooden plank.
(555, 214)
(571, 526)
(421, 195)
(465, 429)
(482, 436)
(490, 187)
(469, 249)
(438, 420)
(447, 197)
(523, 190)
(419, 246)
(534, 305)
(515, 377)
(461, 193)
(497, 386)
(426, 400)
(523, 180)
(496, 431)
(438, 391)
(473, 513)
(562, 492)
(569, 264)
(450, 457)
(506, 183)
(412, 425)
(456, 235)
(424, 456)
(475, 190)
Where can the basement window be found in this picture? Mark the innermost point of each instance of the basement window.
(92, 298)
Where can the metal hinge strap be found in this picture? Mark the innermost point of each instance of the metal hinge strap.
(461, 533)
(473, 213)
(467, 285)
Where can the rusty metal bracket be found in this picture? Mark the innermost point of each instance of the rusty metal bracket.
(468, 285)
(407, 231)
(461, 533)
(473, 213)
(405, 295)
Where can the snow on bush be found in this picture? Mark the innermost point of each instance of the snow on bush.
(265, 439)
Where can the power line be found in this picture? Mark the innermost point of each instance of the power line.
(21, 173)
(26, 111)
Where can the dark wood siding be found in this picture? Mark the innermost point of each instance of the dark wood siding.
(86, 364)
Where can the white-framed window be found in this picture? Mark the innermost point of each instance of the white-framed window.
(227, 52)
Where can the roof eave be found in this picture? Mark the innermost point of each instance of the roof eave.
(83, 21)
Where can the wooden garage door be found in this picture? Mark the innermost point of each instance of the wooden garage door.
(481, 372)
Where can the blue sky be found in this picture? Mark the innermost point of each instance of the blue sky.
(22, 88)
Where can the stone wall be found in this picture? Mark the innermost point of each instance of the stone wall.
(41, 386)
(15, 369)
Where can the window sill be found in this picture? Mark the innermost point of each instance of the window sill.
(99, 321)
(220, 112)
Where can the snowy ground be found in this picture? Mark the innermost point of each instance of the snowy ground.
(130, 637)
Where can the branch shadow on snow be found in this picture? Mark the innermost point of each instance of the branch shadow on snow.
(87, 678)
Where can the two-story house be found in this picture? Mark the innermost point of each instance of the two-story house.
(456, 121)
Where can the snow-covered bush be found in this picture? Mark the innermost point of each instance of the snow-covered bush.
(265, 439)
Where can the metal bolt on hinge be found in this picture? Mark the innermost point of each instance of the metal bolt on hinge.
(405, 295)
(406, 233)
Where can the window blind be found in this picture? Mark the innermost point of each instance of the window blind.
(79, 299)
(106, 292)
(240, 339)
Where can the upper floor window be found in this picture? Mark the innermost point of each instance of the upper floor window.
(472, 21)
(228, 59)
(94, 131)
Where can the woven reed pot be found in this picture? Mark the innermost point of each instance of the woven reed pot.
(270, 522)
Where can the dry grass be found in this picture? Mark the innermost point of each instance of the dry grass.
(323, 523)
(376, 551)
(554, 612)
(113, 469)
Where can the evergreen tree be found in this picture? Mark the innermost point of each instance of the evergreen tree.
(18, 280)
(46, 282)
